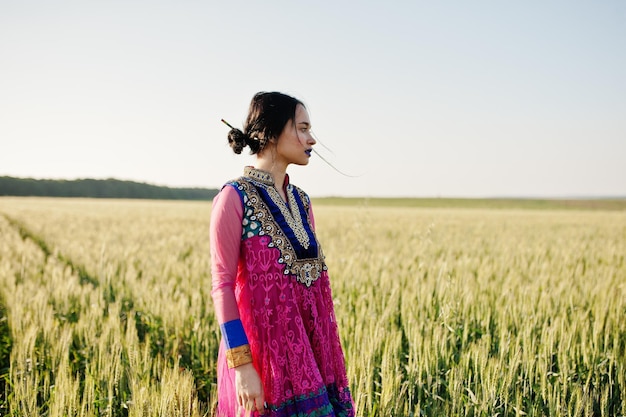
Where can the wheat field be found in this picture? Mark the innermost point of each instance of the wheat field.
(105, 309)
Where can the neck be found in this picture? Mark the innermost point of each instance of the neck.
(277, 169)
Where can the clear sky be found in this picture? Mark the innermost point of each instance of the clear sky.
(416, 98)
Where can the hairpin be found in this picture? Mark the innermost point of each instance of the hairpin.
(227, 124)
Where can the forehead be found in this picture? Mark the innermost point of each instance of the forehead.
(302, 115)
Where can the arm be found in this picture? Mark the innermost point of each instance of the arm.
(225, 236)
(225, 240)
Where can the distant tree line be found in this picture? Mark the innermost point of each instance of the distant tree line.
(92, 188)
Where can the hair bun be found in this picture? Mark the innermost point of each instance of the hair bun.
(237, 140)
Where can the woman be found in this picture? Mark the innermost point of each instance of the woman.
(280, 354)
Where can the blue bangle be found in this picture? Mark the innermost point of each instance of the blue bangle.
(233, 334)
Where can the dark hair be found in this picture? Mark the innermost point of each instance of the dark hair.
(267, 117)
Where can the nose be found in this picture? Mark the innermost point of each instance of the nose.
(311, 139)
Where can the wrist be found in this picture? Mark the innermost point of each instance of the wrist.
(245, 368)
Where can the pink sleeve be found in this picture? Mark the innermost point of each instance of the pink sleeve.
(225, 240)
(311, 215)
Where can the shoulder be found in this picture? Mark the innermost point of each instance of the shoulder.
(230, 195)
(226, 208)
(239, 185)
(240, 189)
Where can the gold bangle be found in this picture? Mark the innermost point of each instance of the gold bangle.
(238, 356)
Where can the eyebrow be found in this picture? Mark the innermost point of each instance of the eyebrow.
(304, 123)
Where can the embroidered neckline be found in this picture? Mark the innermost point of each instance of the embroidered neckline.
(306, 270)
(292, 214)
(261, 176)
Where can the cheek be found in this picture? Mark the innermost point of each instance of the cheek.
(301, 138)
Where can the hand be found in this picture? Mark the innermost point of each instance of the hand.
(249, 388)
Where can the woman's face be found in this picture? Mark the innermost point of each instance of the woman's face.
(295, 143)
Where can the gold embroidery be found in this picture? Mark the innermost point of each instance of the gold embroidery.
(293, 218)
(307, 270)
(259, 175)
(291, 215)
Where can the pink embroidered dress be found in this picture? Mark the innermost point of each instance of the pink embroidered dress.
(270, 280)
